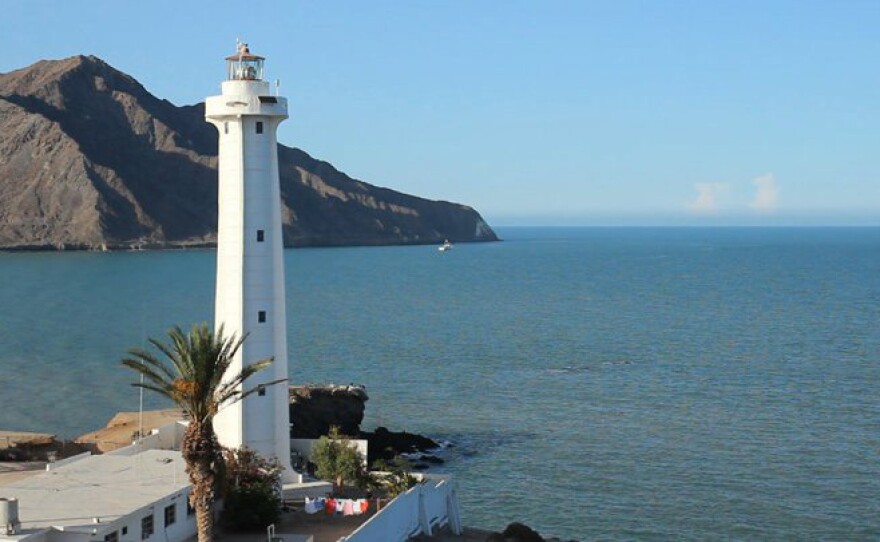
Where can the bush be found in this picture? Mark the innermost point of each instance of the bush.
(251, 490)
(336, 459)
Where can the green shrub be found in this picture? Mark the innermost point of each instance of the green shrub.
(336, 459)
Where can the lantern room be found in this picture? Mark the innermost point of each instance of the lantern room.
(244, 65)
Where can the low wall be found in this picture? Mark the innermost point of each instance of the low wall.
(167, 437)
(423, 509)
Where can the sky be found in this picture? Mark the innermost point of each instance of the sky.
(545, 112)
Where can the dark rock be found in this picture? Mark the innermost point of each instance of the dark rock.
(386, 445)
(314, 409)
(517, 532)
(90, 160)
(495, 537)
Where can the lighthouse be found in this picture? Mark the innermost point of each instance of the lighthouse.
(249, 298)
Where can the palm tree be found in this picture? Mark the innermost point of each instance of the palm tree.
(196, 381)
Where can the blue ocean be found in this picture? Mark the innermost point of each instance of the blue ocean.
(597, 383)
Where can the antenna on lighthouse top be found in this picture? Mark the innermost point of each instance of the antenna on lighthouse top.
(278, 87)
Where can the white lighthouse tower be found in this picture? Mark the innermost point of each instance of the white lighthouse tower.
(250, 267)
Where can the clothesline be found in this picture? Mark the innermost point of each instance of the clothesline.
(338, 507)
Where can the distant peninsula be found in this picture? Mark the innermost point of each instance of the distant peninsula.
(90, 160)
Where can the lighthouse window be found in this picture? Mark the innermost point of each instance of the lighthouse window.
(112, 537)
(225, 127)
(261, 390)
(259, 127)
(260, 236)
(261, 316)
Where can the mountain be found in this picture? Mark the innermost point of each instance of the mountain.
(90, 159)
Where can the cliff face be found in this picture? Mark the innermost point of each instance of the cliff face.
(89, 158)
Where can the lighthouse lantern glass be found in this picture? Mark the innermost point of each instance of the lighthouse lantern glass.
(245, 69)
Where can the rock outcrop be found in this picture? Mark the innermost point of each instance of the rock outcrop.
(314, 409)
(518, 532)
(89, 159)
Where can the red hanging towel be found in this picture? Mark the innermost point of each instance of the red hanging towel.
(330, 506)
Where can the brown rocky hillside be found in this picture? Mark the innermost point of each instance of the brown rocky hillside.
(90, 159)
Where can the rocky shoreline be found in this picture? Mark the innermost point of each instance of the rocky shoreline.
(314, 409)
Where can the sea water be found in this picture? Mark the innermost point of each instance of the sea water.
(600, 384)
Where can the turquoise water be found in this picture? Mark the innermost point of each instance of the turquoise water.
(604, 384)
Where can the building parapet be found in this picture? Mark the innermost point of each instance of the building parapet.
(426, 507)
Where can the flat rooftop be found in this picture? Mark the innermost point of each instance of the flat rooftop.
(108, 487)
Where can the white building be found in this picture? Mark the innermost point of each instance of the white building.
(250, 296)
(131, 495)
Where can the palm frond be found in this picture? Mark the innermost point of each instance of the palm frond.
(193, 370)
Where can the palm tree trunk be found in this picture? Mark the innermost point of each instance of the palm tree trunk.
(201, 452)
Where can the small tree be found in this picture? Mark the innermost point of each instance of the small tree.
(336, 459)
(251, 491)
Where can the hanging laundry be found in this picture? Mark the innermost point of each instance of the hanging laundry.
(348, 508)
(313, 506)
(330, 506)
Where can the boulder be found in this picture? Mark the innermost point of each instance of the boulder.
(314, 409)
(385, 444)
(517, 532)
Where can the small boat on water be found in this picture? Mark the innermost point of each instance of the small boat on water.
(445, 246)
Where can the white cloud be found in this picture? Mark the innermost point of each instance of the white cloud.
(707, 197)
(766, 195)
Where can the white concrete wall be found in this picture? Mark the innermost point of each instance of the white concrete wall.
(61, 536)
(183, 528)
(167, 437)
(421, 510)
(250, 272)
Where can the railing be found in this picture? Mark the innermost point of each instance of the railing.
(426, 507)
